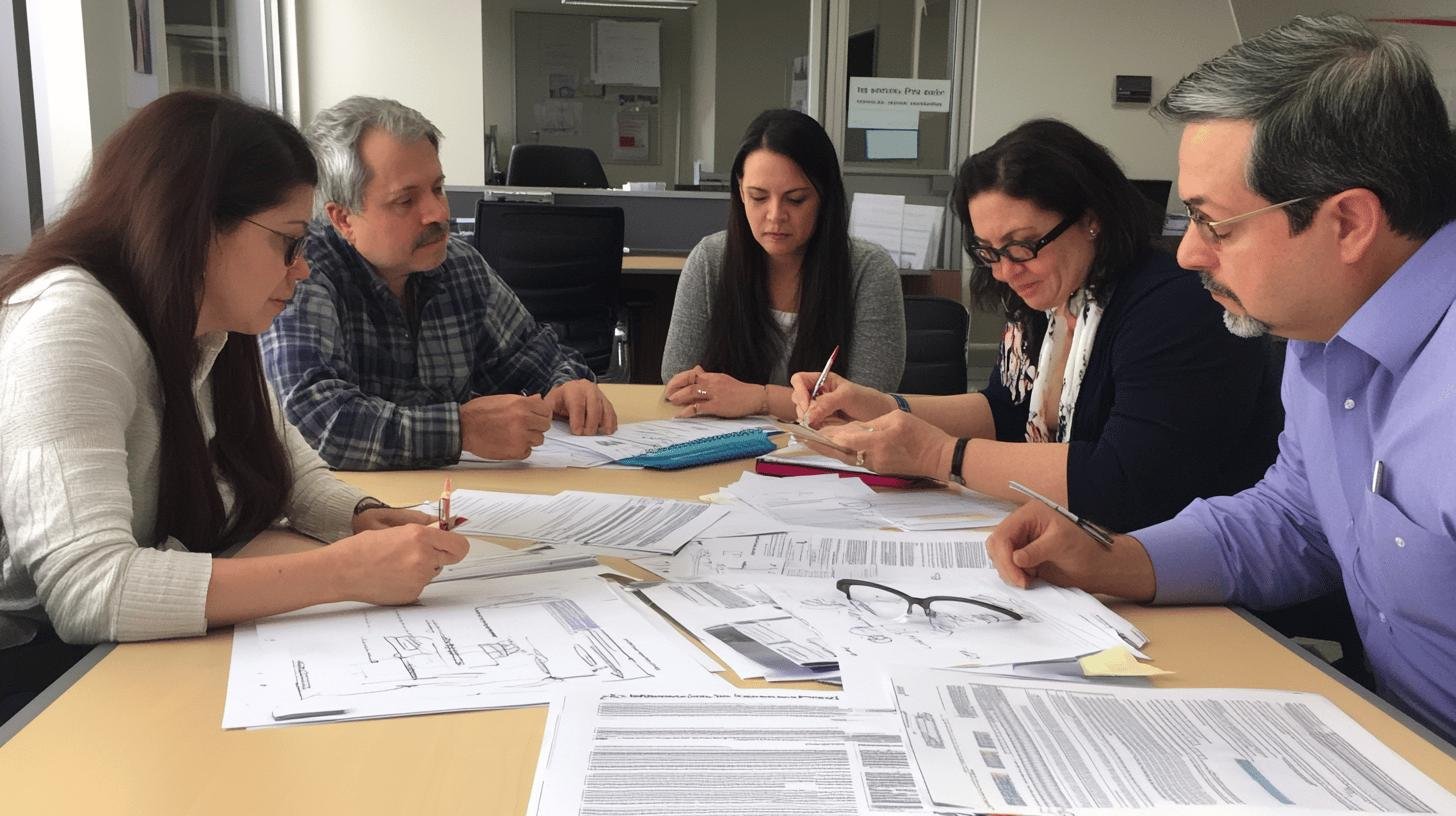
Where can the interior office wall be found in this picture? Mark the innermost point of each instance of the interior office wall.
(1254, 17)
(701, 138)
(496, 86)
(424, 53)
(1059, 57)
(62, 111)
(107, 28)
(14, 188)
(753, 65)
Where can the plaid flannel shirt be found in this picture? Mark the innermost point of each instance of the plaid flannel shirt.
(371, 392)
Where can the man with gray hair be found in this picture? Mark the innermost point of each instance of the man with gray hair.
(1319, 173)
(403, 349)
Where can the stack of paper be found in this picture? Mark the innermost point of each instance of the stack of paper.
(483, 643)
(829, 501)
(909, 232)
(639, 523)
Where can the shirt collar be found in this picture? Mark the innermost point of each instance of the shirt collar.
(1393, 324)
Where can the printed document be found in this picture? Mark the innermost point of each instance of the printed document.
(1027, 747)
(872, 554)
(637, 438)
(478, 643)
(640, 523)
(743, 753)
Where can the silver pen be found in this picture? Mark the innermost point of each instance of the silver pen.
(1100, 534)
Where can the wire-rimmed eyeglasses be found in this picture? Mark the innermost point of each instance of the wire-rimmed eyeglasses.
(1020, 251)
(889, 603)
(295, 244)
(1209, 229)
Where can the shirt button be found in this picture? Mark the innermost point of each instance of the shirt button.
(1399, 542)
(1382, 617)
(1349, 404)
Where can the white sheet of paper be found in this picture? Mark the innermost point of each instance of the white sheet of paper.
(733, 752)
(466, 644)
(879, 219)
(956, 636)
(626, 53)
(920, 234)
(637, 438)
(1009, 746)
(810, 501)
(638, 523)
(875, 554)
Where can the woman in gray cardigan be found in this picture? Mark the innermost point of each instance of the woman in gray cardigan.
(783, 286)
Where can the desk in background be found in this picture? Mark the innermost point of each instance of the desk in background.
(140, 732)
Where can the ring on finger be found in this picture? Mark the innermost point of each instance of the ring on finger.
(702, 393)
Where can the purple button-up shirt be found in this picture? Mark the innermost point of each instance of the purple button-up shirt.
(1381, 390)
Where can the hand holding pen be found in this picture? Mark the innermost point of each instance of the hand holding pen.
(1100, 534)
(1036, 542)
(818, 384)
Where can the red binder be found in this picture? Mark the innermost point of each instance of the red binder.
(871, 479)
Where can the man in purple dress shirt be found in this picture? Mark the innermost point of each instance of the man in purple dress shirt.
(1319, 172)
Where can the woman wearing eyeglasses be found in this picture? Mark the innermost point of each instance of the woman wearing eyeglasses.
(1118, 391)
(138, 440)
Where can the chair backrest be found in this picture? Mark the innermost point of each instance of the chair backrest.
(538, 165)
(564, 263)
(935, 346)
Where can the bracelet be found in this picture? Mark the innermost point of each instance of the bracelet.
(369, 503)
(956, 457)
(902, 402)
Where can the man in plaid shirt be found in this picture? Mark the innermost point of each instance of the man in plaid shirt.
(403, 348)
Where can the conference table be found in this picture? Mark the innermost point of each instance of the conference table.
(136, 728)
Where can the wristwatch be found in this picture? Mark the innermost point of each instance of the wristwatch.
(369, 503)
(957, 458)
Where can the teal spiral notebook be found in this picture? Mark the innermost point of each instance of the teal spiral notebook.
(736, 445)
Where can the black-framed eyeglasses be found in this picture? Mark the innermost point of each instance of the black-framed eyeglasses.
(889, 603)
(296, 243)
(1020, 251)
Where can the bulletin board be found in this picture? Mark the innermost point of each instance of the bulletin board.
(557, 103)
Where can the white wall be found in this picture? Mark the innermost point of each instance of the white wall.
(754, 64)
(702, 112)
(62, 112)
(14, 191)
(425, 53)
(1059, 57)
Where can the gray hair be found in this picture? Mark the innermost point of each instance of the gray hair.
(335, 133)
(1334, 106)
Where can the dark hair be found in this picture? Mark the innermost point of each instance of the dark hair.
(1056, 167)
(743, 339)
(183, 169)
(1334, 106)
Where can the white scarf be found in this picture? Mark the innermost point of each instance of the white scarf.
(1089, 314)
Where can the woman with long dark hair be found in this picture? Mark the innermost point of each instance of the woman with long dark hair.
(1114, 362)
(138, 438)
(783, 286)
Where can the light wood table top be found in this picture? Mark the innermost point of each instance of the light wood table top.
(141, 731)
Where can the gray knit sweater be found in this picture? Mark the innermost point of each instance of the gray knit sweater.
(876, 347)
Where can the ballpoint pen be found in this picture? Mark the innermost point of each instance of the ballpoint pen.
(819, 383)
(443, 509)
(1100, 534)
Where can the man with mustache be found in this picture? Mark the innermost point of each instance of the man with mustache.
(403, 349)
(1319, 172)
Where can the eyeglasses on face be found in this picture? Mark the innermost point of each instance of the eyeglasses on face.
(295, 246)
(1020, 251)
(892, 604)
(1210, 229)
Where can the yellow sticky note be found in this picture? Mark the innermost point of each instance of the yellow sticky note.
(1117, 662)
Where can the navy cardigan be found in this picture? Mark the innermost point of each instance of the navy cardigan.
(1173, 407)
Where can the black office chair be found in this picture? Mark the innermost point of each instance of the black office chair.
(565, 264)
(935, 346)
(538, 165)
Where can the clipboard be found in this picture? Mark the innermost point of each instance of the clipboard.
(721, 448)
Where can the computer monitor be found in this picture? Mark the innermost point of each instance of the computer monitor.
(1156, 191)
